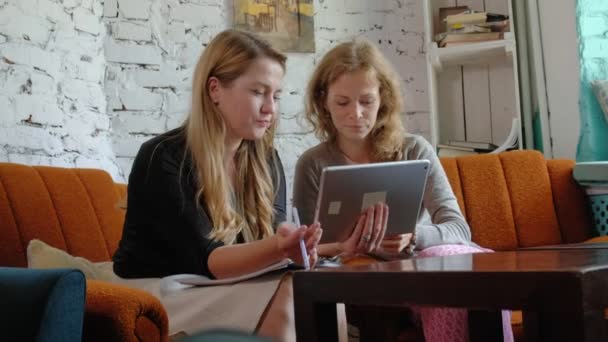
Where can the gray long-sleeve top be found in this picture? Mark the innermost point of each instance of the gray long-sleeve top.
(440, 220)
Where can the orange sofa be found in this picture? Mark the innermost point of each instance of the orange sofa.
(518, 199)
(510, 200)
(75, 210)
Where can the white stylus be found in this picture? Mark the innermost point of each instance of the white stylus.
(296, 221)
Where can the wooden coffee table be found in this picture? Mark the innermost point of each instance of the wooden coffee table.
(562, 293)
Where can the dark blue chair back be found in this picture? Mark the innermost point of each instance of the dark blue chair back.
(42, 305)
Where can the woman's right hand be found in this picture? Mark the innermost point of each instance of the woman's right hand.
(369, 231)
(288, 241)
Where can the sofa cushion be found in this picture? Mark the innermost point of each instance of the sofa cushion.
(71, 209)
(531, 198)
(508, 199)
(575, 219)
(487, 202)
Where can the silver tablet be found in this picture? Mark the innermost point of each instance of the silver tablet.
(345, 191)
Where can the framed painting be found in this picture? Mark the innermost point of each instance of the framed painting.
(287, 24)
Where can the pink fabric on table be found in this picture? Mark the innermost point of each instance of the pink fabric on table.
(450, 324)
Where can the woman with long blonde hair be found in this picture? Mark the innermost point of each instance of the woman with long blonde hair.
(207, 197)
(354, 104)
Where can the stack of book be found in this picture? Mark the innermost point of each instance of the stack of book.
(457, 148)
(461, 25)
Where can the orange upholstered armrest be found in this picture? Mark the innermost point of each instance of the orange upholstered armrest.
(119, 313)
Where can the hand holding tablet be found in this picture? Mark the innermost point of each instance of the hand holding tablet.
(347, 191)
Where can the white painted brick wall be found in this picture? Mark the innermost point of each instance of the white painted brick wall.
(141, 100)
(119, 85)
(31, 138)
(25, 28)
(52, 71)
(69, 39)
(88, 93)
(42, 83)
(31, 56)
(86, 21)
(43, 109)
(71, 3)
(140, 122)
(134, 9)
(8, 111)
(168, 76)
(131, 53)
(176, 105)
(131, 31)
(199, 15)
(53, 11)
(83, 67)
(176, 32)
(110, 8)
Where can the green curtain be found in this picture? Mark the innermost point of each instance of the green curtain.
(593, 139)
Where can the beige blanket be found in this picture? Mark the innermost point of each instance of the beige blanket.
(237, 306)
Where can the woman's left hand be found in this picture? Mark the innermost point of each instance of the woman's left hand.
(396, 243)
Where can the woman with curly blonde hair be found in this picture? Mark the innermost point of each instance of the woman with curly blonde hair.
(354, 104)
(206, 198)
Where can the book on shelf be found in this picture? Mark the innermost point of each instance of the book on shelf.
(455, 148)
(460, 25)
(474, 17)
(494, 26)
(498, 26)
(468, 17)
(452, 10)
(444, 150)
(453, 39)
(496, 17)
(468, 28)
(444, 12)
(478, 145)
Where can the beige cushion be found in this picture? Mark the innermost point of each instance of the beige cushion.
(40, 255)
(122, 204)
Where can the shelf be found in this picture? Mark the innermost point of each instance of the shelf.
(480, 101)
(473, 53)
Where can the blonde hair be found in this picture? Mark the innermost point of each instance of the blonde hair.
(358, 54)
(250, 212)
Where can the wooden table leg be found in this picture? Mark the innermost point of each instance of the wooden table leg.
(531, 326)
(315, 321)
(485, 325)
(571, 326)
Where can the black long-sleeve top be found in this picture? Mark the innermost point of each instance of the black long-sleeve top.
(165, 232)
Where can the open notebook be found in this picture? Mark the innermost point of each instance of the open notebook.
(199, 280)
(183, 281)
